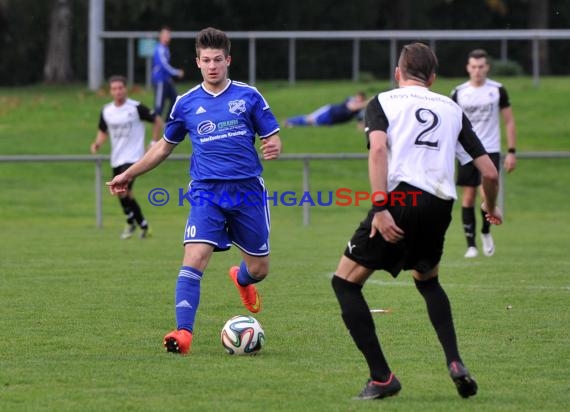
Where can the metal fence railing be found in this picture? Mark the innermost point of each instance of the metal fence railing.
(99, 36)
(305, 158)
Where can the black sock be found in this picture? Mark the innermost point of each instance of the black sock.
(439, 311)
(486, 225)
(357, 318)
(137, 212)
(468, 217)
(127, 209)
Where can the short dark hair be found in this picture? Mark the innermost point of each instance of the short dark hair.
(118, 78)
(211, 38)
(478, 54)
(417, 61)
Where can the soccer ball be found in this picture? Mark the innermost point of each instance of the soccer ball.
(242, 335)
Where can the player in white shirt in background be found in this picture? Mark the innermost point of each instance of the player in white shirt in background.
(414, 136)
(122, 120)
(483, 100)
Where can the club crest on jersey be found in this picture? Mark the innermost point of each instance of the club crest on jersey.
(237, 107)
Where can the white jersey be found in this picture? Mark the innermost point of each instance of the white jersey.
(483, 105)
(426, 132)
(125, 127)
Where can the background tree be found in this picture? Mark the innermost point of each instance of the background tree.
(23, 27)
(56, 30)
(57, 67)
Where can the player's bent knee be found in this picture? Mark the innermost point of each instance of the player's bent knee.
(259, 274)
(469, 196)
(258, 270)
(433, 273)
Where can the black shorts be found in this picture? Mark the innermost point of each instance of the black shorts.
(468, 175)
(120, 169)
(424, 225)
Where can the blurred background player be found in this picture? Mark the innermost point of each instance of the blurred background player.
(483, 100)
(163, 72)
(331, 114)
(222, 118)
(406, 156)
(122, 119)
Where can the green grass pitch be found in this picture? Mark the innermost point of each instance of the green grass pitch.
(83, 313)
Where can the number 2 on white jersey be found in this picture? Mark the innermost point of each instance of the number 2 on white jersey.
(429, 121)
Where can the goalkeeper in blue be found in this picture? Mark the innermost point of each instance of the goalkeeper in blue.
(222, 118)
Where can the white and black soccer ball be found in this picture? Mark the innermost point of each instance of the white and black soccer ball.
(242, 335)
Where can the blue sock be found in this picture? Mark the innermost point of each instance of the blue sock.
(297, 121)
(187, 297)
(243, 277)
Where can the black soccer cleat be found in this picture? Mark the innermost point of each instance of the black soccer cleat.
(146, 232)
(465, 383)
(379, 390)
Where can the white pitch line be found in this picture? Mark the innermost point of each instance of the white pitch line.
(480, 287)
(468, 286)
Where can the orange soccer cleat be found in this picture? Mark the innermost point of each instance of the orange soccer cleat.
(178, 341)
(249, 295)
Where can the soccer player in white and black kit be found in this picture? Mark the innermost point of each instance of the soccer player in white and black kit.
(122, 119)
(484, 101)
(414, 136)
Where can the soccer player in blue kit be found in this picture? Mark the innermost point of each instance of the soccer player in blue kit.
(331, 114)
(163, 73)
(222, 117)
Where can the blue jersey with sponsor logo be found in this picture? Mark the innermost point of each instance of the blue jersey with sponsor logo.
(222, 128)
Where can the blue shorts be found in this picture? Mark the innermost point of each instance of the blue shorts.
(163, 91)
(322, 116)
(226, 212)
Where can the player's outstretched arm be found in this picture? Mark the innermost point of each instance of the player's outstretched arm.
(119, 184)
(495, 217)
(152, 158)
(490, 184)
(271, 147)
